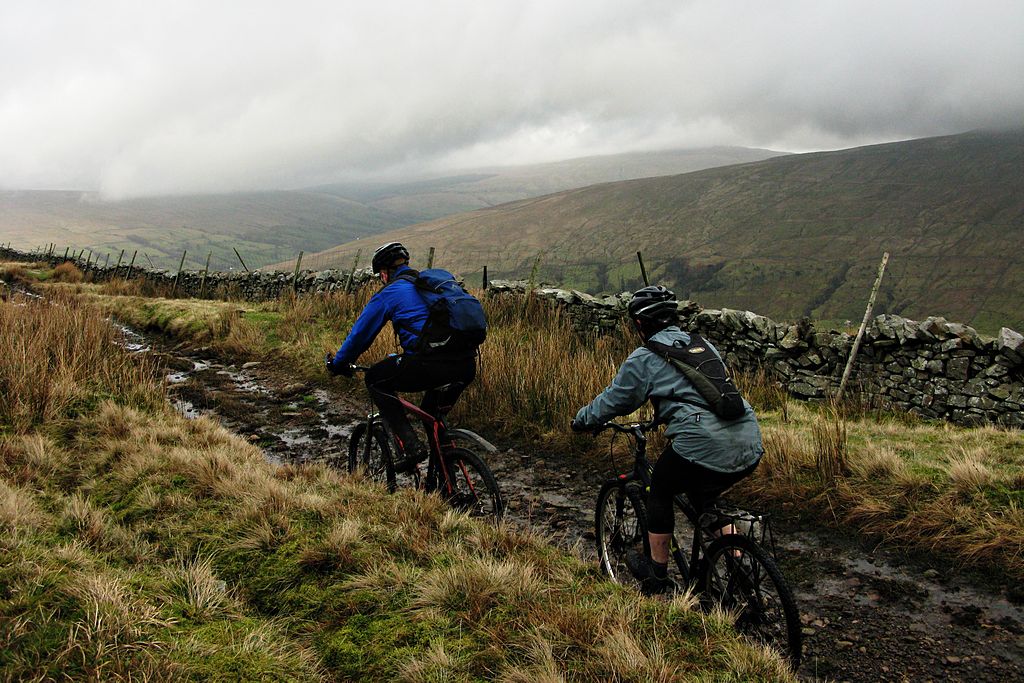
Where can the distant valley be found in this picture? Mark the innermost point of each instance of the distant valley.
(792, 236)
(268, 227)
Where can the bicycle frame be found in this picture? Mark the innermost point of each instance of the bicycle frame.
(642, 470)
(437, 437)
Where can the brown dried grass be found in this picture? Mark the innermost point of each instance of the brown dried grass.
(57, 355)
(68, 272)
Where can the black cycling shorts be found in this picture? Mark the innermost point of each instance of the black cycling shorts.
(674, 474)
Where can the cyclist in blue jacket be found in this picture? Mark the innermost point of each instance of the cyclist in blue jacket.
(706, 454)
(400, 303)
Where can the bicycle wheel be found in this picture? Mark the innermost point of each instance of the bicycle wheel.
(744, 579)
(470, 440)
(375, 460)
(620, 525)
(471, 486)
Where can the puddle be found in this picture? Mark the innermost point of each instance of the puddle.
(243, 382)
(129, 339)
(187, 409)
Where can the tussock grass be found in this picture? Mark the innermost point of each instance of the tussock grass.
(140, 545)
(301, 573)
(14, 272)
(830, 442)
(889, 475)
(67, 272)
(58, 358)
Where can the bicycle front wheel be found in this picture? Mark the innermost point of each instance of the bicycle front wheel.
(744, 579)
(372, 457)
(620, 526)
(471, 486)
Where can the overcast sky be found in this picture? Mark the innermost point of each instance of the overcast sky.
(135, 98)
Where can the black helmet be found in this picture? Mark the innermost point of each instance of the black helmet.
(654, 308)
(387, 254)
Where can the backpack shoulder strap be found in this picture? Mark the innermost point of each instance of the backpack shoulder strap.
(409, 276)
(680, 358)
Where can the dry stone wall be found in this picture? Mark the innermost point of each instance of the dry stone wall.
(252, 286)
(935, 368)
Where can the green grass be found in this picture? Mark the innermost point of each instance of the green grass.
(137, 544)
(928, 485)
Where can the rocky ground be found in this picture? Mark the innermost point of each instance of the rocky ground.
(869, 613)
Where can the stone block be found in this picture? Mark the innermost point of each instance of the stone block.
(981, 403)
(1001, 392)
(792, 341)
(957, 400)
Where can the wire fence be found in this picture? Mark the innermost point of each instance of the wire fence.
(607, 274)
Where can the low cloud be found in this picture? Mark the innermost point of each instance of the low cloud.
(153, 98)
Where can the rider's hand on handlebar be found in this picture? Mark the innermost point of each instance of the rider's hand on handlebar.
(577, 426)
(344, 369)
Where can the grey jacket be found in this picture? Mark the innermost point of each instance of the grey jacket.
(696, 433)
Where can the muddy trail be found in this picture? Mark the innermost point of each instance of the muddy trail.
(869, 614)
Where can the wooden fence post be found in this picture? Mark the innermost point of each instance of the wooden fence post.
(863, 326)
(130, 266)
(174, 286)
(66, 250)
(295, 275)
(352, 273)
(485, 277)
(206, 270)
(107, 261)
(240, 260)
(643, 270)
(118, 266)
(430, 258)
(150, 260)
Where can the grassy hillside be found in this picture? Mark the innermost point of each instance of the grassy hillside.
(268, 227)
(428, 199)
(789, 236)
(263, 226)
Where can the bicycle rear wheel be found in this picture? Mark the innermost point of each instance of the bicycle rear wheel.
(620, 525)
(744, 579)
(373, 458)
(471, 486)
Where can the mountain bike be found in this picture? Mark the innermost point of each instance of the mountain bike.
(458, 474)
(731, 561)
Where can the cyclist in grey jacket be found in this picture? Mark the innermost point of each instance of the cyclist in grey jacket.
(706, 454)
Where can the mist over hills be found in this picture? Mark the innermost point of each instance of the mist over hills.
(787, 237)
(268, 227)
(427, 199)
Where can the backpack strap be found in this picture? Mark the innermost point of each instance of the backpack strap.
(689, 359)
(409, 276)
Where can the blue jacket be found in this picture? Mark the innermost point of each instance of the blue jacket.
(696, 433)
(398, 302)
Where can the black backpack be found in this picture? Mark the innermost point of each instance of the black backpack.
(455, 322)
(706, 373)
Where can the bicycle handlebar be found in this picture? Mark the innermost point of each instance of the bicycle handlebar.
(627, 428)
(630, 427)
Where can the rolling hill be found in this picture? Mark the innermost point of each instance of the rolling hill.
(268, 227)
(787, 237)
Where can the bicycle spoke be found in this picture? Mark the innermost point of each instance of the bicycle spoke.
(742, 578)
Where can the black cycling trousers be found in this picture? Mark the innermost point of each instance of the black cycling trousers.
(674, 474)
(416, 373)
